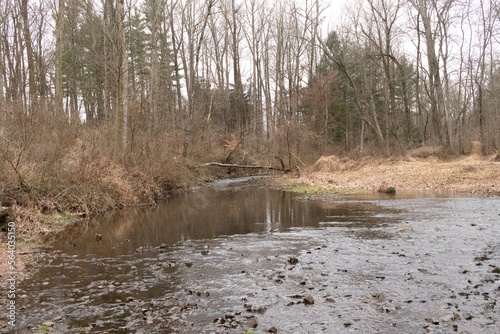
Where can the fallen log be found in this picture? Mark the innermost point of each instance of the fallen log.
(238, 166)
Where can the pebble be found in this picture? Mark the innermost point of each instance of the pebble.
(308, 300)
(405, 227)
(252, 322)
(203, 294)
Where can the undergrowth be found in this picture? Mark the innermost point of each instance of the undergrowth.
(52, 177)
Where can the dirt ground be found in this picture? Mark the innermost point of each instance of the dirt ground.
(471, 175)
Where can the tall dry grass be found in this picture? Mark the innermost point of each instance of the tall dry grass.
(53, 166)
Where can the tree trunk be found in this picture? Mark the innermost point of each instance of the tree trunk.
(59, 103)
(238, 86)
(30, 56)
(436, 88)
(121, 113)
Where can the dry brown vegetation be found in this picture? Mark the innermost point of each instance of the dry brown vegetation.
(425, 170)
(52, 172)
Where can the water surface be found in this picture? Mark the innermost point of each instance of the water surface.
(226, 253)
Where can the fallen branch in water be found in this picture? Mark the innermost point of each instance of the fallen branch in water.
(239, 166)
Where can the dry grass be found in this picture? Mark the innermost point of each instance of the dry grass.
(425, 152)
(463, 175)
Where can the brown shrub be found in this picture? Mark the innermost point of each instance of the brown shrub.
(83, 169)
(425, 152)
(476, 149)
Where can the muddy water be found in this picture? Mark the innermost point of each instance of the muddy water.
(238, 255)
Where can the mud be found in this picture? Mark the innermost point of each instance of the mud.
(240, 256)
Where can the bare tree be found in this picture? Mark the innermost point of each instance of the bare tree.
(191, 49)
(435, 86)
(121, 112)
(23, 7)
(60, 20)
(486, 18)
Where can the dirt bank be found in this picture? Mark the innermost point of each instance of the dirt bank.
(33, 231)
(473, 175)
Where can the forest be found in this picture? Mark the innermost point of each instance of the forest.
(106, 103)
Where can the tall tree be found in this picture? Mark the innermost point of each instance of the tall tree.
(121, 112)
(195, 31)
(436, 93)
(60, 29)
(33, 89)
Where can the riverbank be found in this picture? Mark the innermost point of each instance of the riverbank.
(465, 175)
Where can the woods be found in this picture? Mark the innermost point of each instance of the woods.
(150, 87)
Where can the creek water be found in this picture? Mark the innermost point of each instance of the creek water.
(238, 255)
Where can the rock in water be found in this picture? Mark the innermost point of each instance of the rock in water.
(49, 324)
(405, 227)
(308, 300)
(387, 190)
(252, 322)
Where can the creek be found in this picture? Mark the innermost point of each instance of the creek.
(239, 255)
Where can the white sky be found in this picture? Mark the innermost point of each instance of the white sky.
(333, 12)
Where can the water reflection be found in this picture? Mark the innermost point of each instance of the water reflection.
(201, 214)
